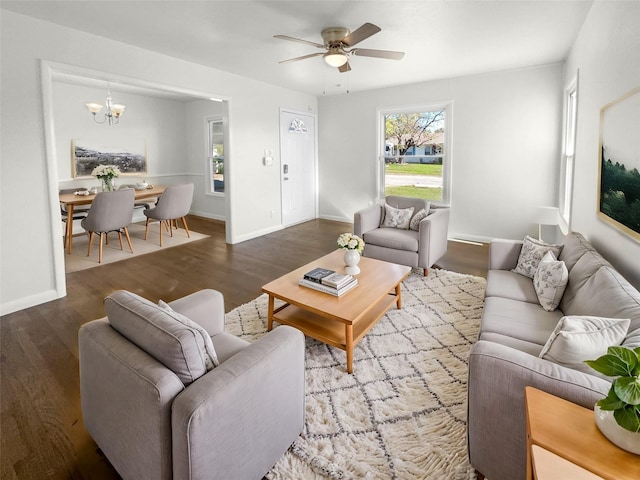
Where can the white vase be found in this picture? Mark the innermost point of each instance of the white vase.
(351, 260)
(625, 439)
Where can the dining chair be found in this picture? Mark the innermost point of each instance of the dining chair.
(110, 212)
(79, 212)
(173, 204)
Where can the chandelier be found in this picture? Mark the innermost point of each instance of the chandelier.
(113, 113)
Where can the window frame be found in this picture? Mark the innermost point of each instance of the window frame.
(567, 160)
(447, 157)
(209, 185)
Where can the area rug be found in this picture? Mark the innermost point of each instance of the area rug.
(402, 413)
(79, 260)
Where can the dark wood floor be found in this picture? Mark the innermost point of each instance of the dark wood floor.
(41, 422)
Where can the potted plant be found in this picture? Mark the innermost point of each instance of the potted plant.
(618, 414)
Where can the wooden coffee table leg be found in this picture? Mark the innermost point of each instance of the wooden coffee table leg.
(270, 315)
(399, 296)
(348, 331)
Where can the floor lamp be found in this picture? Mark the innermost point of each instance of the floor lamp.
(547, 216)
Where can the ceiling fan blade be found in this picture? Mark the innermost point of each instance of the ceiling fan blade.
(304, 57)
(344, 68)
(299, 40)
(368, 52)
(362, 33)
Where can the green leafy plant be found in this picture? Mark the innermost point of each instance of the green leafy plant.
(624, 395)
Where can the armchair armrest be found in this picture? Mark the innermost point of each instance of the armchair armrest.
(367, 219)
(503, 254)
(433, 237)
(496, 420)
(205, 307)
(238, 419)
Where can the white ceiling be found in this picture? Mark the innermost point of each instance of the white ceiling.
(441, 38)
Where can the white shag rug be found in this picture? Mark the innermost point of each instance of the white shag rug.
(402, 413)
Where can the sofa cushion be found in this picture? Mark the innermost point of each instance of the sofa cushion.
(579, 338)
(509, 284)
(581, 272)
(531, 253)
(397, 217)
(180, 347)
(521, 320)
(574, 246)
(515, 343)
(417, 218)
(550, 281)
(227, 345)
(393, 238)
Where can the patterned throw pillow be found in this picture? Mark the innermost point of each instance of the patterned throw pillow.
(417, 218)
(550, 281)
(397, 217)
(532, 252)
(579, 338)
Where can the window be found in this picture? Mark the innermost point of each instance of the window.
(215, 155)
(414, 153)
(569, 145)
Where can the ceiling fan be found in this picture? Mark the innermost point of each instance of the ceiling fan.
(338, 45)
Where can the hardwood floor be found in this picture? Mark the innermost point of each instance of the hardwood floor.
(41, 422)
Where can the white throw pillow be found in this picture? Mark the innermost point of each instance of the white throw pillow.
(550, 281)
(579, 338)
(397, 217)
(417, 218)
(532, 252)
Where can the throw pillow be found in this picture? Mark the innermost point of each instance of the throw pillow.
(417, 218)
(550, 281)
(209, 353)
(179, 347)
(397, 217)
(579, 338)
(532, 252)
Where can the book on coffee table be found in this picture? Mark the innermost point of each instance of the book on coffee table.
(317, 274)
(336, 280)
(336, 292)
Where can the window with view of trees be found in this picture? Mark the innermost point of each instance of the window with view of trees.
(415, 154)
(215, 155)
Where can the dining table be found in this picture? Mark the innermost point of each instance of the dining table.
(71, 200)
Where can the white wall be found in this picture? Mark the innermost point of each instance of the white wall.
(505, 134)
(607, 55)
(204, 204)
(28, 274)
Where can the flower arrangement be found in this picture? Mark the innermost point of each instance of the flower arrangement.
(349, 241)
(106, 171)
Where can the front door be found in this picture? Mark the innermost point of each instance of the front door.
(297, 167)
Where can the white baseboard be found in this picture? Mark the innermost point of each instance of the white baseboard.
(30, 301)
(256, 234)
(335, 218)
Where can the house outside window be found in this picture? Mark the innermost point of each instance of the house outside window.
(414, 159)
(215, 155)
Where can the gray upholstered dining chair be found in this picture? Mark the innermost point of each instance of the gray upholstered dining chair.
(110, 212)
(174, 203)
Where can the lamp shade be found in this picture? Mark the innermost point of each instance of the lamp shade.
(94, 107)
(548, 216)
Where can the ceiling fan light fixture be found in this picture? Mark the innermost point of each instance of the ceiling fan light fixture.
(335, 59)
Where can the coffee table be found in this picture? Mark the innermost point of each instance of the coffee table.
(337, 321)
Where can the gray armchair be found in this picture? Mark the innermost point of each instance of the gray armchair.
(174, 203)
(421, 248)
(159, 411)
(109, 212)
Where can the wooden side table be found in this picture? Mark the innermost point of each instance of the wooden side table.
(570, 432)
(549, 466)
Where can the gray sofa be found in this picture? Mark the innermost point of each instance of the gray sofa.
(419, 248)
(162, 402)
(513, 331)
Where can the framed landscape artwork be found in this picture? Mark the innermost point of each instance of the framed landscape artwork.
(129, 157)
(619, 186)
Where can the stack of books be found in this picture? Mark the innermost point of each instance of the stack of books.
(328, 281)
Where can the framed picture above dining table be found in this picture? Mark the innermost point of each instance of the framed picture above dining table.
(129, 156)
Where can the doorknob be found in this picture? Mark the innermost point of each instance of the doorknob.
(285, 169)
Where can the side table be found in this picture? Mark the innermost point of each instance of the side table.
(570, 432)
